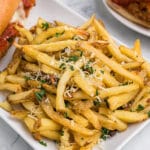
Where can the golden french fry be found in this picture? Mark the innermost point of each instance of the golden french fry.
(146, 66)
(120, 100)
(65, 122)
(112, 46)
(82, 83)
(25, 33)
(137, 47)
(3, 75)
(87, 23)
(10, 87)
(19, 114)
(22, 95)
(92, 118)
(112, 64)
(6, 106)
(60, 105)
(130, 117)
(16, 80)
(52, 135)
(41, 57)
(53, 46)
(131, 65)
(131, 54)
(118, 90)
(13, 65)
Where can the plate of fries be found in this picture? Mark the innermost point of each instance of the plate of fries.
(69, 86)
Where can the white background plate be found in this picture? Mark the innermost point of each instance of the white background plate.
(52, 10)
(128, 23)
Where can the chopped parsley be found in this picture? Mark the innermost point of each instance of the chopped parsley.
(59, 34)
(62, 133)
(45, 26)
(96, 103)
(148, 114)
(66, 104)
(66, 115)
(96, 92)
(87, 67)
(140, 108)
(27, 78)
(43, 81)
(105, 133)
(40, 94)
(43, 143)
(102, 71)
(73, 58)
(62, 66)
(71, 68)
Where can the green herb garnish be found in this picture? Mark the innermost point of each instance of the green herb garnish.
(43, 81)
(105, 133)
(66, 115)
(62, 66)
(59, 34)
(88, 68)
(73, 58)
(96, 92)
(102, 71)
(71, 68)
(96, 103)
(40, 94)
(140, 108)
(27, 78)
(45, 26)
(148, 114)
(62, 133)
(43, 143)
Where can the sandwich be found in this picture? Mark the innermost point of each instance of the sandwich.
(137, 11)
(12, 12)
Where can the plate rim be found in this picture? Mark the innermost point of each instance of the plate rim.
(135, 27)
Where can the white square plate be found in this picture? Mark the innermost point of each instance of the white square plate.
(53, 10)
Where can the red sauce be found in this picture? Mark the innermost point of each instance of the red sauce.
(7, 38)
(28, 4)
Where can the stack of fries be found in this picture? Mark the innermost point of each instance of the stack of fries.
(75, 85)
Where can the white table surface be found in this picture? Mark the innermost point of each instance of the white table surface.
(9, 140)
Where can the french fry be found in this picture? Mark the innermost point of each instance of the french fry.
(10, 87)
(92, 118)
(60, 105)
(41, 57)
(130, 117)
(48, 124)
(19, 114)
(131, 54)
(137, 47)
(146, 66)
(143, 102)
(65, 122)
(53, 46)
(131, 65)
(81, 82)
(111, 64)
(52, 135)
(25, 33)
(88, 23)
(118, 90)
(3, 75)
(22, 95)
(112, 46)
(120, 100)
(6, 105)
(13, 65)
(16, 80)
